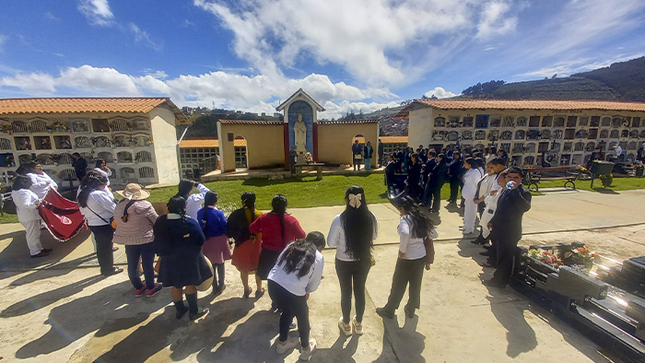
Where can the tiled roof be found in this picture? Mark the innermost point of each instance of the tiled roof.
(207, 143)
(348, 122)
(555, 105)
(25, 106)
(251, 122)
(394, 139)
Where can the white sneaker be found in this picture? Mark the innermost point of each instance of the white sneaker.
(345, 328)
(306, 353)
(358, 327)
(291, 343)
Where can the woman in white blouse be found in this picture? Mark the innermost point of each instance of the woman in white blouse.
(352, 233)
(416, 251)
(40, 181)
(98, 208)
(27, 203)
(102, 168)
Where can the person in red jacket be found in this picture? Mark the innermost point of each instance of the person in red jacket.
(278, 230)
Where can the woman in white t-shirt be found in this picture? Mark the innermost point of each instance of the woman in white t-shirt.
(40, 181)
(416, 251)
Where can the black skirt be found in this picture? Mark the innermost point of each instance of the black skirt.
(268, 259)
(183, 268)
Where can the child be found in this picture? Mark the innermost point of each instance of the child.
(216, 246)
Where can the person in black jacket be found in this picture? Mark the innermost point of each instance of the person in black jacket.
(506, 224)
(435, 181)
(381, 147)
(178, 240)
(357, 154)
(414, 178)
(455, 171)
(428, 166)
(80, 165)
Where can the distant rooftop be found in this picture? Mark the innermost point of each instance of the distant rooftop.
(555, 105)
(50, 105)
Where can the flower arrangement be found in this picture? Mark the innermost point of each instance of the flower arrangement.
(580, 256)
(546, 257)
(308, 158)
(581, 168)
(606, 179)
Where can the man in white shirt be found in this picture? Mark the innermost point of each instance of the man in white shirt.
(40, 181)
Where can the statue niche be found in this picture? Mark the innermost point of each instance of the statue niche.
(300, 135)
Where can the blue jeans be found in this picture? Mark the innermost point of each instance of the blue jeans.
(368, 163)
(147, 254)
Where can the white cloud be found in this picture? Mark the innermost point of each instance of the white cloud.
(582, 24)
(97, 12)
(495, 20)
(440, 92)
(259, 93)
(567, 68)
(32, 82)
(141, 36)
(377, 42)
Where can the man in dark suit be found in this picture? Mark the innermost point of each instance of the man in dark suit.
(455, 171)
(357, 154)
(80, 165)
(428, 166)
(506, 225)
(381, 147)
(436, 178)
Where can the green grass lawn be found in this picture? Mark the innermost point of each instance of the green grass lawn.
(329, 191)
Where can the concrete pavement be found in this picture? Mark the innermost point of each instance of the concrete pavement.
(55, 309)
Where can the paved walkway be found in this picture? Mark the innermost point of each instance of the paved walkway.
(58, 308)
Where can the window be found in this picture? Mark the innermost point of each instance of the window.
(520, 135)
(613, 134)
(481, 122)
(42, 142)
(604, 134)
(509, 121)
(440, 122)
(595, 121)
(579, 146)
(466, 135)
(453, 121)
(467, 122)
(543, 147)
(569, 134)
(583, 121)
(567, 146)
(591, 146)
(606, 121)
(572, 121)
(495, 121)
(636, 122)
(518, 148)
(521, 121)
(22, 143)
(558, 122)
(593, 134)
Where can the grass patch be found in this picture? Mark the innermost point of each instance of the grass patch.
(307, 193)
(617, 185)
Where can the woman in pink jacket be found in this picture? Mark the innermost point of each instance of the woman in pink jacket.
(134, 218)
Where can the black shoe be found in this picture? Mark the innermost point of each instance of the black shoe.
(47, 250)
(259, 293)
(200, 312)
(40, 254)
(382, 312)
(493, 283)
(247, 293)
(409, 312)
(485, 253)
(115, 270)
(181, 312)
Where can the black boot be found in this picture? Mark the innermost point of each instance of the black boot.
(181, 308)
(194, 311)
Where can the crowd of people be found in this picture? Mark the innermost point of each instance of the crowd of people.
(194, 239)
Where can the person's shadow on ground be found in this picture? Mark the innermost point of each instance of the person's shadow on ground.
(75, 319)
(405, 342)
(183, 336)
(15, 259)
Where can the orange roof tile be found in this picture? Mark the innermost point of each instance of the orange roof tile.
(24, 106)
(348, 122)
(394, 139)
(207, 143)
(251, 122)
(555, 105)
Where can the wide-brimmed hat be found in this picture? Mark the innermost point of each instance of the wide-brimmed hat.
(134, 191)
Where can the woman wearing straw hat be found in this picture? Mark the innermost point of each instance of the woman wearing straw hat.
(135, 218)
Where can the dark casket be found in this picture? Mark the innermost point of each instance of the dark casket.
(601, 297)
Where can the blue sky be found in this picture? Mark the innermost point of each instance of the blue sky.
(349, 55)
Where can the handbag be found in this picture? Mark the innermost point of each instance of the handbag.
(209, 281)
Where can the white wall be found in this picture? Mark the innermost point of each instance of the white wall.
(162, 122)
(420, 127)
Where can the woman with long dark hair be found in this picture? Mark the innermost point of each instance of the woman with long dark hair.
(297, 273)
(194, 201)
(102, 168)
(98, 208)
(278, 229)
(246, 253)
(179, 241)
(216, 246)
(352, 233)
(415, 252)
